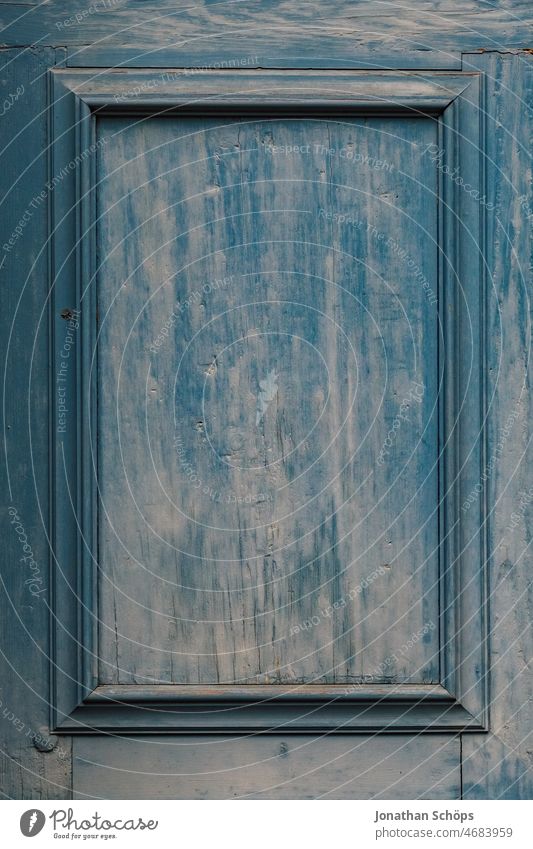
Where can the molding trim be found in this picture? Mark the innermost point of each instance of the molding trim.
(80, 705)
(270, 709)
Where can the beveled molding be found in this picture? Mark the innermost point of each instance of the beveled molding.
(80, 703)
(270, 708)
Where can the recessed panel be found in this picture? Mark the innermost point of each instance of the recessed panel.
(267, 373)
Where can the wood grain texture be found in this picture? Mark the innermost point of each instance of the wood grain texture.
(346, 35)
(74, 275)
(279, 31)
(207, 91)
(275, 768)
(229, 54)
(249, 93)
(27, 768)
(270, 709)
(247, 523)
(500, 765)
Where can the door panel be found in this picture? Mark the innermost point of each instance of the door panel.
(56, 257)
(262, 324)
(276, 767)
(264, 450)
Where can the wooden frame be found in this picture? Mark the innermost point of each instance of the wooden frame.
(459, 703)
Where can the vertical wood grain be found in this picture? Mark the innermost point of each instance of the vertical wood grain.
(272, 767)
(234, 516)
(499, 765)
(32, 764)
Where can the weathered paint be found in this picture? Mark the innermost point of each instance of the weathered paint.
(333, 31)
(213, 518)
(461, 579)
(269, 768)
(499, 766)
(33, 763)
(492, 765)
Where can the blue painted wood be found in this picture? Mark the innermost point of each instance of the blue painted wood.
(319, 31)
(33, 762)
(286, 504)
(229, 53)
(499, 766)
(228, 92)
(494, 764)
(74, 255)
(277, 767)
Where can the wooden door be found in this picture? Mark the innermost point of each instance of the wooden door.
(255, 325)
(267, 434)
(269, 394)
